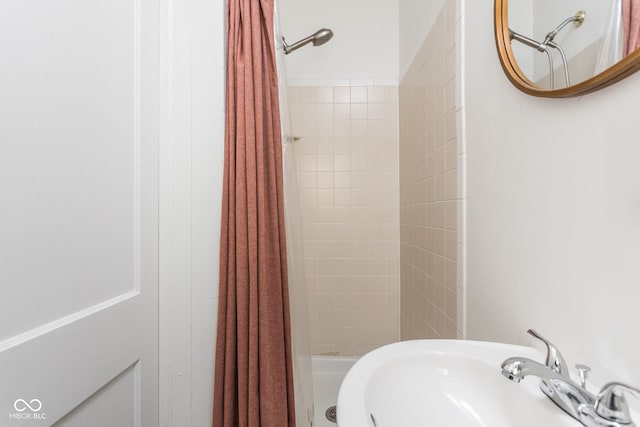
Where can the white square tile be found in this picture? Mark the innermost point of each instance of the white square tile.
(325, 95)
(359, 94)
(376, 94)
(342, 94)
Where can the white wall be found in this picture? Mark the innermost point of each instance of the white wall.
(364, 46)
(192, 140)
(416, 19)
(553, 217)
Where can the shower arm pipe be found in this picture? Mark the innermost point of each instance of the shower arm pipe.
(540, 47)
(527, 41)
(288, 48)
(564, 61)
(576, 19)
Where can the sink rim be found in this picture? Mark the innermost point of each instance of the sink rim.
(352, 394)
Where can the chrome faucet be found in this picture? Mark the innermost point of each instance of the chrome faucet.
(608, 409)
(555, 362)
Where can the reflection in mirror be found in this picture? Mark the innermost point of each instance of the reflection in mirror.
(560, 44)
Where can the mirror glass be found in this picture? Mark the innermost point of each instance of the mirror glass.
(553, 45)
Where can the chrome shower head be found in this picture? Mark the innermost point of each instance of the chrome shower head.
(322, 36)
(318, 38)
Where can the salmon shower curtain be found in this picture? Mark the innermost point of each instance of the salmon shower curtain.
(253, 374)
(631, 22)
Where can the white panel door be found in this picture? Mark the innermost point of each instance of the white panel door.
(79, 213)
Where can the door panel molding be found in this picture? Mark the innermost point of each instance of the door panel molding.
(86, 326)
(50, 327)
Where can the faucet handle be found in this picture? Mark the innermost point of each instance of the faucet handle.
(583, 373)
(611, 403)
(554, 361)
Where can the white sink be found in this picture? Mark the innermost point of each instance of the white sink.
(444, 383)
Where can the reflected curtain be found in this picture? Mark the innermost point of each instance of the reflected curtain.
(631, 18)
(253, 367)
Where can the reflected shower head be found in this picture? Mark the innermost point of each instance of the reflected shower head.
(318, 38)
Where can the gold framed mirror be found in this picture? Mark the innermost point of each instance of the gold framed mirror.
(522, 73)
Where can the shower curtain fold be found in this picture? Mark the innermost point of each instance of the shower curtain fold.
(613, 40)
(631, 22)
(253, 374)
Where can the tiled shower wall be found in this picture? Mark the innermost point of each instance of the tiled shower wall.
(428, 186)
(347, 160)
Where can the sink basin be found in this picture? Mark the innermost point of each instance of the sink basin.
(444, 383)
